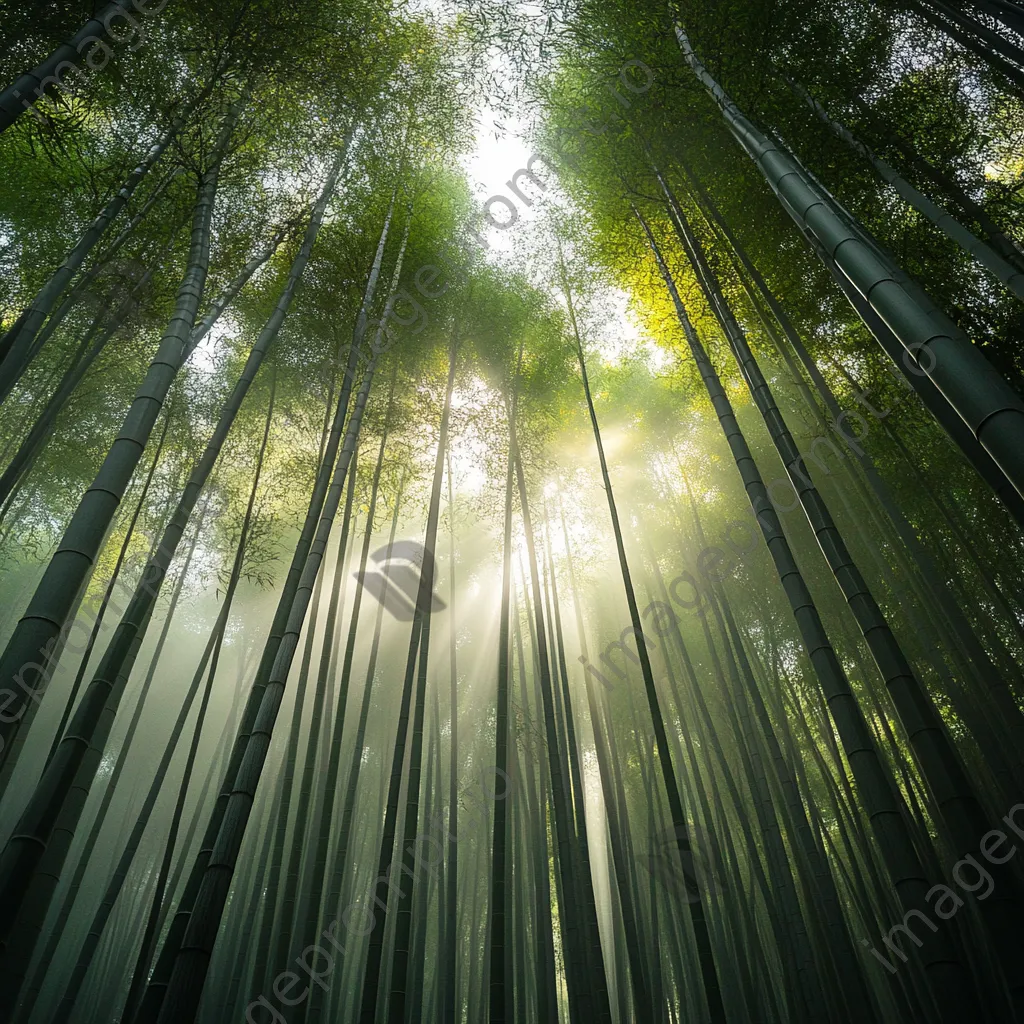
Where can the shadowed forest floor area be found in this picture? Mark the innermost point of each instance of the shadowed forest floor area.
(511, 512)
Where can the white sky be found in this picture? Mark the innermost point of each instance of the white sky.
(496, 157)
(501, 151)
(498, 154)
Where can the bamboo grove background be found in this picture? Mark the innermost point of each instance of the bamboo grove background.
(703, 703)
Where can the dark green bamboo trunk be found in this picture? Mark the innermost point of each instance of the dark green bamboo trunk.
(300, 881)
(208, 667)
(91, 346)
(156, 989)
(40, 627)
(948, 979)
(188, 975)
(546, 997)
(21, 343)
(968, 383)
(1007, 274)
(354, 770)
(324, 828)
(939, 761)
(280, 908)
(60, 797)
(588, 901)
(411, 735)
(499, 977)
(618, 816)
(709, 975)
(451, 1003)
